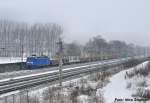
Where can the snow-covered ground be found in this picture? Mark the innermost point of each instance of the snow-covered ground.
(6, 60)
(118, 89)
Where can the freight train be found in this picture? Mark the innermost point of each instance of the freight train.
(43, 61)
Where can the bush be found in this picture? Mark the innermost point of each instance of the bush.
(136, 81)
(99, 97)
(142, 69)
(141, 92)
(34, 99)
(99, 76)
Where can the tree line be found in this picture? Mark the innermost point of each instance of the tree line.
(17, 39)
(98, 47)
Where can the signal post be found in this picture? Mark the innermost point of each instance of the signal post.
(60, 45)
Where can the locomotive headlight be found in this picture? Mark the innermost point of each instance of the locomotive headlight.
(29, 62)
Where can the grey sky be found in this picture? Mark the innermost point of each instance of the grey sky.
(127, 20)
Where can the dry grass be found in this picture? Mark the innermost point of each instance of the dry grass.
(143, 70)
(56, 95)
(141, 92)
(99, 76)
(137, 80)
(34, 99)
(21, 98)
(75, 90)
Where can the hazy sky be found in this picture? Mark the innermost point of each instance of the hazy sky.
(127, 20)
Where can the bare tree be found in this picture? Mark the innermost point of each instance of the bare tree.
(18, 39)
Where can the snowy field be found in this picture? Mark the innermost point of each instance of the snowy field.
(116, 88)
(5, 60)
(124, 89)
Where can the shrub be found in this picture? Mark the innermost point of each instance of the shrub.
(141, 92)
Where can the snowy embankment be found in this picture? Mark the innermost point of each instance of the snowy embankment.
(6, 60)
(116, 88)
(123, 87)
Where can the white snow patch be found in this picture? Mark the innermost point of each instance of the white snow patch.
(8, 94)
(116, 88)
(83, 99)
(92, 84)
(6, 60)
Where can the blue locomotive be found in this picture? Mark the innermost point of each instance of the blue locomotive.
(37, 61)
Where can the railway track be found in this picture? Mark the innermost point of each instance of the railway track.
(44, 69)
(22, 82)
